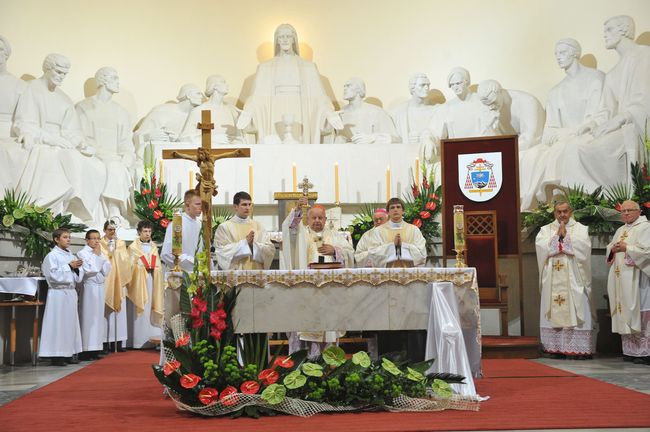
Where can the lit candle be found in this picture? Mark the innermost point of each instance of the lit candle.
(160, 171)
(387, 183)
(177, 233)
(336, 182)
(250, 180)
(417, 171)
(295, 178)
(191, 175)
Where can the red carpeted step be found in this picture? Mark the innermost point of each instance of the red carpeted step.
(510, 347)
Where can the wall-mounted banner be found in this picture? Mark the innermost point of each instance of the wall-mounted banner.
(480, 175)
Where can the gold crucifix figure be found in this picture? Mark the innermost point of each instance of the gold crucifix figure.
(305, 185)
(205, 157)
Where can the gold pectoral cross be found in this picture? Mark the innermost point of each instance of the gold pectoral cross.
(617, 271)
(623, 237)
(559, 300)
(557, 266)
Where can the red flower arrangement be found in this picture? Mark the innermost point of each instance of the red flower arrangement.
(189, 381)
(250, 387)
(268, 376)
(283, 362)
(422, 207)
(171, 367)
(208, 395)
(229, 396)
(154, 203)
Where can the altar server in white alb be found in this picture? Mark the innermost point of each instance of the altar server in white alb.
(564, 261)
(61, 334)
(396, 243)
(302, 245)
(91, 302)
(145, 290)
(242, 243)
(628, 284)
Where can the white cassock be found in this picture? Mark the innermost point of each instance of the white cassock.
(192, 243)
(565, 279)
(381, 247)
(300, 248)
(232, 249)
(628, 287)
(107, 127)
(223, 116)
(366, 119)
(60, 334)
(12, 154)
(291, 85)
(92, 301)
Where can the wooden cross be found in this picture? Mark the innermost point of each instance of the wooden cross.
(205, 157)
(558, 266)
(559, 300)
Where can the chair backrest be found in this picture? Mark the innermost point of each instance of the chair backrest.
(482, 247)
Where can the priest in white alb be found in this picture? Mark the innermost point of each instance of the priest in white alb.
(242, 243)
(628, 284)
(379, 217)
(564, 261)
(302, 245)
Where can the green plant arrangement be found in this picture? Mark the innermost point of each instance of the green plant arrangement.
(154, 203)
(203, 375)
(362, 222)
(423, 204)
(32, 223)
(219, 216)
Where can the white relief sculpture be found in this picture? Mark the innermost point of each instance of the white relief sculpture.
(459, 116)
(224, 116)
(107, 127)
(414, 117)
(12, 155)
(287, 84)
(363, 123)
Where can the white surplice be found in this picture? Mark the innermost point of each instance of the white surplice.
(91, 302)
(60, 334)
(381, 247)
(232, 249)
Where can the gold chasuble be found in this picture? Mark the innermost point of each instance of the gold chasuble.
(120, 274)
(381, 246)
(145, 264)
(233, 251)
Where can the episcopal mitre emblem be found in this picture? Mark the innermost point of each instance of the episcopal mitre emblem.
(479, 175)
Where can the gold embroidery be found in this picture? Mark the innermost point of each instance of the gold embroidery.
(559, 300)
(558, 266)
(617, 271)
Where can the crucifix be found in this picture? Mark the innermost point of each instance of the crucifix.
(205, 157)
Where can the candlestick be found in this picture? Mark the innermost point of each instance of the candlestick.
(459, 234)
(250, 180)
(336, 183)
(387, 183)
(295, 178)
(417, 172)
(191, 175)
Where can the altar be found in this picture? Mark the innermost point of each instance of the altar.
(351, 299)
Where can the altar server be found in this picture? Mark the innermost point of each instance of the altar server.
(242, 243)
(61, 335)
(564, 261)
(628, 284)
(91, 307)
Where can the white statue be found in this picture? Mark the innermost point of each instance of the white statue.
(12, 155)
(459, 116)
(414, 117)
(363, 123)
(514, 112)
(61, 172)
(224, 116)
(107, 127)
(287, 84)
(166, 122)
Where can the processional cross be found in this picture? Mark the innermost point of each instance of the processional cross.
(205, 157)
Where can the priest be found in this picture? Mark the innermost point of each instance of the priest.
(379, 217)
(242, 243)
(302, 245)
(564, 260)
(628, 284)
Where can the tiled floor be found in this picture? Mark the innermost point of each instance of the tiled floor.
(19, 380)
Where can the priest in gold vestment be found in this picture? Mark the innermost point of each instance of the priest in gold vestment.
(242, 243)
(115, 284)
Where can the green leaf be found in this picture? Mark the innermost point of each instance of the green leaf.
(294, 380)
(441, 388)
(390, 367)
(274, 394)
(362, 359)
(334, 356)
(312, 369)
(423, 366)
(414, 375)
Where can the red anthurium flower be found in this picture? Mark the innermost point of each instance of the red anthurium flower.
(170, 367)
(618, 207)
(189, 381)
(164, 222)
(417, 223)
(229, 396)
(425, 214)
(268, 376)
(153, 204)
(646, 204)
(250, 387)
(183, 340)
(208, 395)
(284, 362)
(221, 326)
(215, 334)
(200, 304)
(157, 214)
(197, 323)
(431, 206)
(433, 196)
(146, 191)
(158, 194)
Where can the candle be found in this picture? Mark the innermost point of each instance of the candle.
(336, 182)
(250, 180)
(295, 178)
(160, 171)
(459, 228)
(191, 175)
(417, 172)
(387, 183)
(177, 233)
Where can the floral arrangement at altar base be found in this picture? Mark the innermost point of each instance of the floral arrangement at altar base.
(203, 374)
(423, 205)
(154, 203)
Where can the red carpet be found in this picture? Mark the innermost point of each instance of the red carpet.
(120, 393)
(519, 368)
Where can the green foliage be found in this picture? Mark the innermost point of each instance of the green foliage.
(423, 204)
(219, 216)
(154, 203)
(362, 222)
(34, 224)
